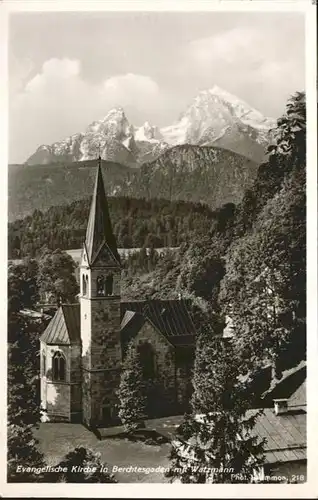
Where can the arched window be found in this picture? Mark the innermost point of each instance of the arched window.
(43, 363)
(109, 285)
(100, 289)
(59, 367)
(147, 360)
(84, 287)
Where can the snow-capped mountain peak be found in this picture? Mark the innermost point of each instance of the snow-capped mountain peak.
(215, 117)
(147, 132)
(240, 108)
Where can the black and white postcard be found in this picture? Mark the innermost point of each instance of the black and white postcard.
(160, 268)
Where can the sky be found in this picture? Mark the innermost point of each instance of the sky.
(68, 69)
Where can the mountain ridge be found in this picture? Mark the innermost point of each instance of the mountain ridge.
(214, 117)
(201, 174)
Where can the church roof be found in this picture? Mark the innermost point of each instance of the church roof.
(170, 317)
(64, 328)
(99, 229)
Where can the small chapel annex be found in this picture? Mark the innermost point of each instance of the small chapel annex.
(84, 344)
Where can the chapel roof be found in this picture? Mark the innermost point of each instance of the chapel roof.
(64, 328)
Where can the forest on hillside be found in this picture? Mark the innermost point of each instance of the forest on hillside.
(136, 223)
(197, 174)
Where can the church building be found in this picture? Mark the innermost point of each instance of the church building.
(83, 346)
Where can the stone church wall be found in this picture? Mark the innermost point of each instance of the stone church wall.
(98, 391)
(105, 345)
(101, 360)
(76, 380)
(164, 383)
(56, 395)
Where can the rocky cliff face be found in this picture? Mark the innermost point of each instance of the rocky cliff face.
(194, 173)
(215, 117)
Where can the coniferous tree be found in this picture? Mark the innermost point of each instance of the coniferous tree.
(23, 409)
(131, 392)
(23, 451)
(215, 443)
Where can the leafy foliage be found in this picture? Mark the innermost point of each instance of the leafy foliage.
(264, 289)
(215, 443)
(23, 407)
(286, 154)
(131, 392)
(136, 223)
(23, 372)
(84, 466)
(56, 279)
(23, 451)
(195, 270)
(22, 285)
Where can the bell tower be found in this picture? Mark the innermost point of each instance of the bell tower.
(100, 274)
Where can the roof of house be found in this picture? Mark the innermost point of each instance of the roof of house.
(285, 435)
(64, 328)
(170, 317)
(299, 398)
(290, 382)
(30, 313)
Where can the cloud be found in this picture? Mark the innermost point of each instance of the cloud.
(20, 70)
(262, 66)
(58, 102)
(54, 71)
(131, 89)
(225, 47)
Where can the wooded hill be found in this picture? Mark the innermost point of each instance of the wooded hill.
(136, 223)
(191, 173)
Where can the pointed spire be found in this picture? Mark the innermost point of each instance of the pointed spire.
(99, 229)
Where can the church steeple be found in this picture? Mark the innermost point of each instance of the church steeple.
(100, 278)
(99, 231)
